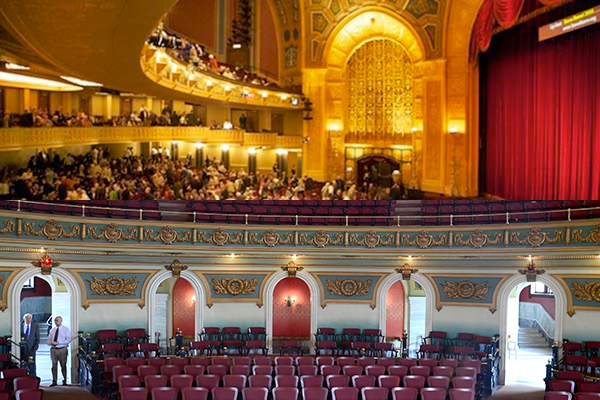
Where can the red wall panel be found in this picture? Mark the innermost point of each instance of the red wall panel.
(547, 302)
(291, 321)
(394, 320)
(196, 19)
(184, 310)
(42, 289)
(269, 54)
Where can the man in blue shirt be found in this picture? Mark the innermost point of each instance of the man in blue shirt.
(59, 340)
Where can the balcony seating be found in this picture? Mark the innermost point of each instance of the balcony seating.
(133, 338)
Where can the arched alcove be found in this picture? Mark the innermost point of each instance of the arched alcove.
(314, 302)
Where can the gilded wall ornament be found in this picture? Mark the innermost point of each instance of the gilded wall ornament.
(52, 230)
(321, 239)
(291, 268)
(234, 286)
(168, 235)
(531, 272)
(587, 292)
(466, 290)
(478, 239)
(113, 286)
(220, 237)
(1, 279)
(592, 236)
(9, 227)
(423, 239)
(406, 271)
(349, 287)
(112, 233)
(371, 239)
(270, 238)
(176, 267)
(536, 237)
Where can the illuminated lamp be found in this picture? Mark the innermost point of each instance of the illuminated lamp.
(45, 262)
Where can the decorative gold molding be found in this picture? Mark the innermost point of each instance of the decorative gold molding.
(372, 302)
(478, 239)
(348, 287)
(176, 267)
(423, 239)
(572, 308)
(52, 230)
(9, 226)
(220, 237)
(466, 290)
(492, 306)
(168, 235)
(536, 237)
(587, 292)
(592, 236)
(113, 233)
(270, 238)
(113, 286)
(46, 264)
(371, 239)
(406, 271)
(291, 268)
(4, 297)
(234, 286)
(321, 239)
(211, 300)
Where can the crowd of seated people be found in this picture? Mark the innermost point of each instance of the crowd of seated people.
(96, 175)
(196, 56)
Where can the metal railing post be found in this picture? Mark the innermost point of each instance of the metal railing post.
(404, 344)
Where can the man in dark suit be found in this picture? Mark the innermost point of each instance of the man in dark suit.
(31, 334)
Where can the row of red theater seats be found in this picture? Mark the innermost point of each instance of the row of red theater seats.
(287, 393)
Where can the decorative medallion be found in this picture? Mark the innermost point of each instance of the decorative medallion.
(587, 292)
(112, 233)
(321, 239)
(234, 286)
(424, 240)
(291, 56)
(291, 269)
(466, 290)
(478, 239)
(9, 227)
(349, 287)
(319, 22)
(418, 8)
(406, 271)
(592, 236)
(371, 239)
(271, 238)
(220, 237)
(176, 267)
(113, 286)
(168, 235)
(536, 237)
(52, 230)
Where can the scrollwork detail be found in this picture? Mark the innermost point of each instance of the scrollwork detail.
(587, 292)
(423, 239)
(536, 237)
(478, 239)
(221, 237)
(592, 236)
(321, 239)
(52, 230)
(270, 238)
(113, 286)
(466, 290)
(234, 286)
(371, 239)
(112, 233)
(349, 287)
(9, 226)
(168, 235)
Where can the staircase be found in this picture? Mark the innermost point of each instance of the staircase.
(406, 208)
(531, 338)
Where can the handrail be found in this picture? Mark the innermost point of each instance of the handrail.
(390, 218)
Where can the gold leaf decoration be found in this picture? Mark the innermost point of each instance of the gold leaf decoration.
(52, 230)
(478, 239)
(424, 239)
(1, 279)
(592, 236)
(113, 286)
(9, 227)
(270, 238)
(234, 286)
(112, 233)
(536, 237)
(371, 239)
(168, 235)
(321, 239)
(349, 287)
(587, 292)
(466, 290)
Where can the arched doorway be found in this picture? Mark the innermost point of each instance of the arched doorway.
(291, 311)
(376, 169)
(66, 299)
(507, 297)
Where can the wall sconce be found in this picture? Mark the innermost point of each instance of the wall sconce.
(289, 300)
(45, 262)
(531, 272)
(193, 299)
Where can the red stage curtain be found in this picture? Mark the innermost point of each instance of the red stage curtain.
(540, 107)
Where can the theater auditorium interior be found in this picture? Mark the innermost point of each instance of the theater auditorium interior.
(304, 199)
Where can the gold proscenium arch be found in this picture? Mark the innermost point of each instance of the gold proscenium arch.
(370, 23)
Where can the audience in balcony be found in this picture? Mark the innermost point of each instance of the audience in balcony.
(96, 175)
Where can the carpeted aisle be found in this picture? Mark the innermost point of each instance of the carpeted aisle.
(518, 392)
(67, 393)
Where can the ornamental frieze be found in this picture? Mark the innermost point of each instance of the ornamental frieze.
(113, 233)
(52, 230)
(168, 235)
(371, 239)
(424, 240)
(9, 226)
(220, 237)
(478, 239)
(592, 236)
(271, 238)
(113, 286)
(349, 287)
(536, 237)
(234, 286)
(466, 290)
(321, 239)
(587, 292)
